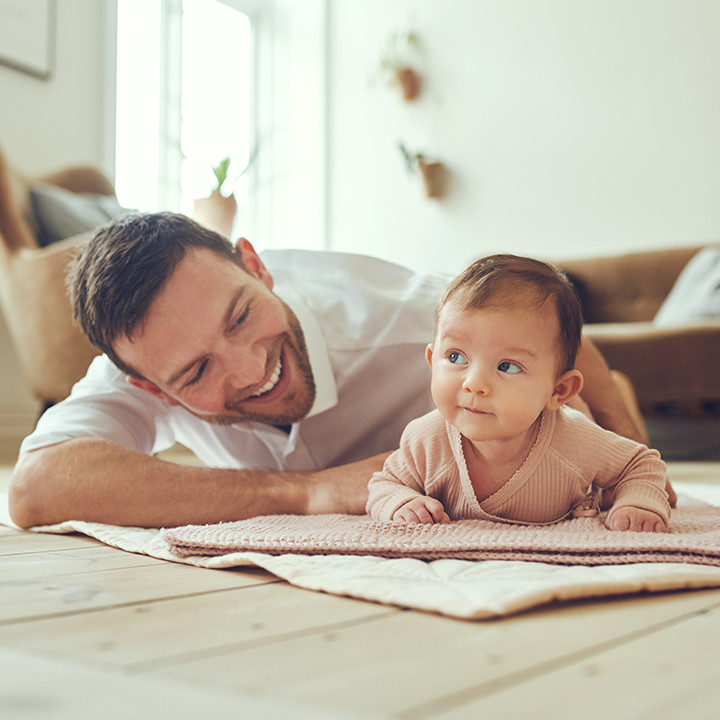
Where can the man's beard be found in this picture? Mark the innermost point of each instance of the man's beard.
(298, 399)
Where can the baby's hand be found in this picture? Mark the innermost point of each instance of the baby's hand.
(422, 510)
(637, 520)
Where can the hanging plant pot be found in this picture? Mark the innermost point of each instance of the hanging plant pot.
(409, 81)
(433, 172)
(398, 62)
(434, 176)
(216, 212)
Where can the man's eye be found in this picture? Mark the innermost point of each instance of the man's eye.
(198, 374)
(242, 317)
(457, 358)
(508, 367)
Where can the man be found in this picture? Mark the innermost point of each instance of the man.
(291, 377)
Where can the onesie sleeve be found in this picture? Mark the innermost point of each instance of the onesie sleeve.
(641, 484)
(404, 474)
(636, 474)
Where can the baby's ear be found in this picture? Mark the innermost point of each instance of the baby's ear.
(429, 354)
(568, 385)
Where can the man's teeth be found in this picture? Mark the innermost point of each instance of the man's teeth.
(272, 382)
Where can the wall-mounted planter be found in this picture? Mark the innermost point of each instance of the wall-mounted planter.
(398, 64)
(409, 81)
(433, 172)
(434, 175)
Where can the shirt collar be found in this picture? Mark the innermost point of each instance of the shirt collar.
(326, 394)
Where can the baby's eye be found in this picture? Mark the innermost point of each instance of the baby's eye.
(456, 358)
(508, 367)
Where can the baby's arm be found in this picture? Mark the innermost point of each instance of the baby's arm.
(405, 472)
(636, 520)
(422, 509)
(640, 502)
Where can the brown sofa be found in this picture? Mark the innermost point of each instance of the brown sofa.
(53, 352)
(674, 370)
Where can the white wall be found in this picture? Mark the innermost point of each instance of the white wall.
(571, 127)
(46, 125)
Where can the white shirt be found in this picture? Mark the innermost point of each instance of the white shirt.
(366, 324)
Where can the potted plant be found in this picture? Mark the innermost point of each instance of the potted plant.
(217, 211)
(396, 63)
(433, 172)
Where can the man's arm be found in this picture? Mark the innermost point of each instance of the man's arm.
(607, 398)
(99, 481)
(611, 399)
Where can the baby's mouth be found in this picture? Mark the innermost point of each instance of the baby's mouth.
(272, 381)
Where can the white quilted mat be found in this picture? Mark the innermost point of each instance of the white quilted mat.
(464, 589)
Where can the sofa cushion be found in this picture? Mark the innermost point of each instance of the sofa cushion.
(695, 296)
(61, 214)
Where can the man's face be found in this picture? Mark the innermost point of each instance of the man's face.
(218, 342)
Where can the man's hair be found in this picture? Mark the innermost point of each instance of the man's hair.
(523, 280)
(115, 277)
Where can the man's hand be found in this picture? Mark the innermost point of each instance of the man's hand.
(341, 489)
(422, 510)
(636, 520)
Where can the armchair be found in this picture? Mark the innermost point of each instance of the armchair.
(53, 352)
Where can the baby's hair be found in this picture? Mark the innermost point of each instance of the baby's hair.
(522, 281)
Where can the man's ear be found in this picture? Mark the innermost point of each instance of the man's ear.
(153, 389)
(429, 354)
(568, 385)
(253, 262)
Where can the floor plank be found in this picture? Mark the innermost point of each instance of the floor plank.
(94, 590)
(154, 635)
(412, 660)
(34, 688)
(44, 564)
(669, 673)
(18, 542)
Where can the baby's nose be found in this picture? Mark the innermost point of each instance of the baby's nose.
(476, 382)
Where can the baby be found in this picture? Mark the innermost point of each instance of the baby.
(502, 445)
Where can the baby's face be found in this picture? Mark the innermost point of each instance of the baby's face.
(494, 370)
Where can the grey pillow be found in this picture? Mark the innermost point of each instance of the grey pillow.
(695, 296)
(60, 214)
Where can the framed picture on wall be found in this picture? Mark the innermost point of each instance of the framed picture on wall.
(27, 35)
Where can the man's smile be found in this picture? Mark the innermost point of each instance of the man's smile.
(273, 388)
(272, 381)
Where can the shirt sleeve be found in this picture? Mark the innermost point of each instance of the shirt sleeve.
(105, 406)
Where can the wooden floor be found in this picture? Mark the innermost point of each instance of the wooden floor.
(87, 631)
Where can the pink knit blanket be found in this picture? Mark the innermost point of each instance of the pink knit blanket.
(693, 537)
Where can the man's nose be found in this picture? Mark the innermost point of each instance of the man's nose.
(245, 365)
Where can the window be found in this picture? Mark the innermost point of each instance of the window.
(184, 101)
